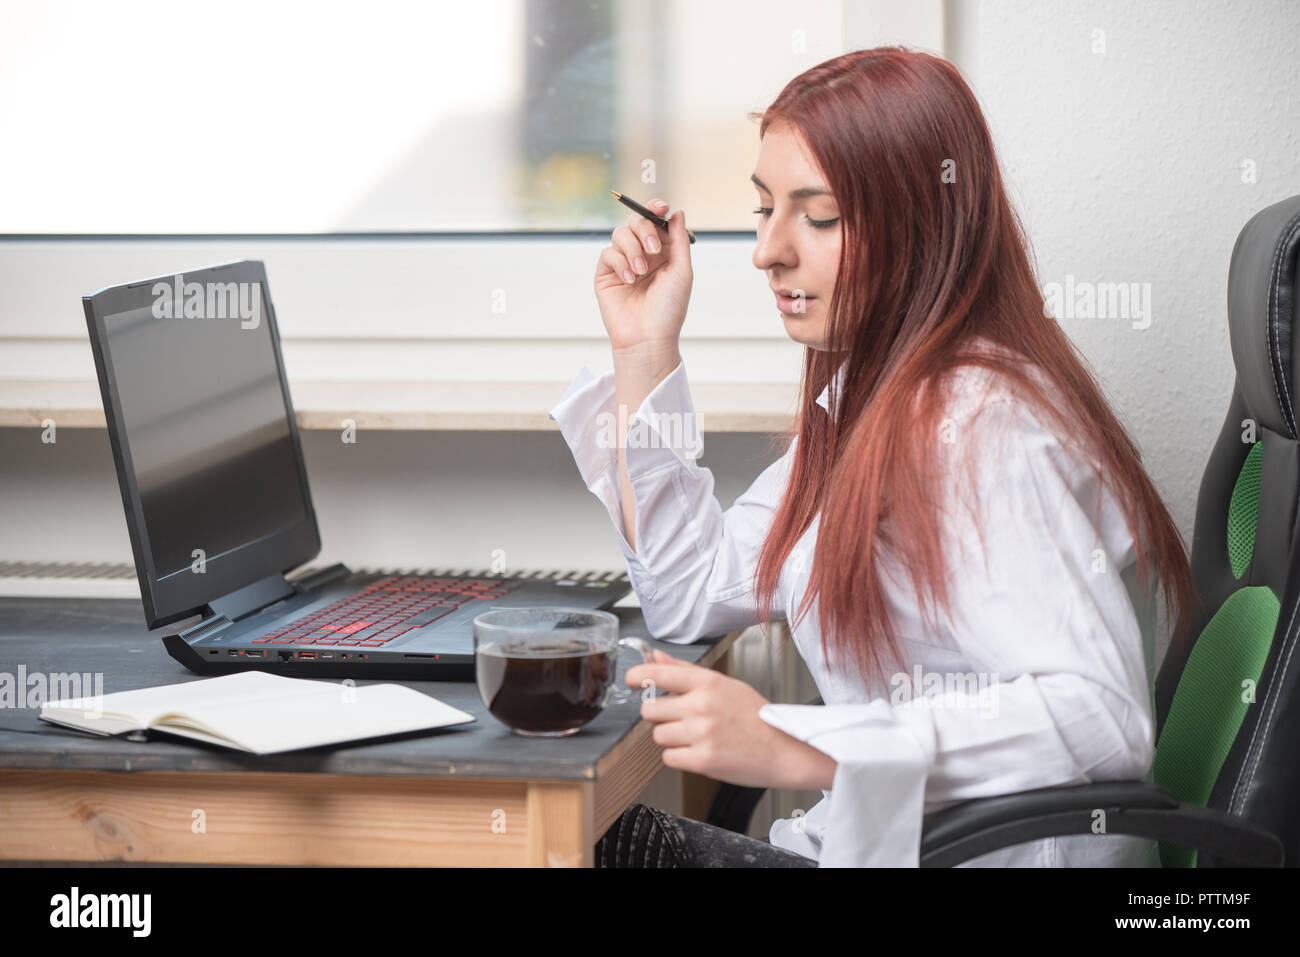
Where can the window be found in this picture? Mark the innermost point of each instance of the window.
(248, 116)
(427, 183)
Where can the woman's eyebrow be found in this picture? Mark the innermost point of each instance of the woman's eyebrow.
(803, 193)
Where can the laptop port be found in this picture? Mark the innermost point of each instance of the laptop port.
(327, 654)
(306, 654)
(284, 655)
(255, 654)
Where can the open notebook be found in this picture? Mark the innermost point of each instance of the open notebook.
(259, 712)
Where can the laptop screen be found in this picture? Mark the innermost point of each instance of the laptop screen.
(206, 423)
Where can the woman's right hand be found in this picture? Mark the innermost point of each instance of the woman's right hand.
(650, 310)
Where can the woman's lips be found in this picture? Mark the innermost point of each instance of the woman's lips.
(793, 305)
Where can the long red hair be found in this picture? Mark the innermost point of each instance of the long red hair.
(933, 257)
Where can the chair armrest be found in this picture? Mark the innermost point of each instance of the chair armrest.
(967, 830)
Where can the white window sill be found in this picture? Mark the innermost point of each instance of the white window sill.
(722, 407)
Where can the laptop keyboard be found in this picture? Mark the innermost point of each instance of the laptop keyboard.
(386, 610)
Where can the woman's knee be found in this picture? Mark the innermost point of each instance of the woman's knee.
(648, 837)
(641, 837)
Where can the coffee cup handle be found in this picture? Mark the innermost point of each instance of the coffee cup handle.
(617, 693)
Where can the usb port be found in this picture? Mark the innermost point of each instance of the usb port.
(306, 654)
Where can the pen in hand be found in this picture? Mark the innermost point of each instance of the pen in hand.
(633, 205)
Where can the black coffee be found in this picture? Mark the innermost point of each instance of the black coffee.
(544, 687)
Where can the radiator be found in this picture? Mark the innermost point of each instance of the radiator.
(771, 664)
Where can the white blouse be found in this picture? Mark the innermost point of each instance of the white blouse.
(1038, 676)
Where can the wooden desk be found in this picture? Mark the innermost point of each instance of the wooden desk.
(474, 796)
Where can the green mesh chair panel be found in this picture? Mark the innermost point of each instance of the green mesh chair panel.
(1242, 511)
(1208, 707)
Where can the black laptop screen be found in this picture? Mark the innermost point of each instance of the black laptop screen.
(208, 431)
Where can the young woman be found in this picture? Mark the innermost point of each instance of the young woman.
(967, 516)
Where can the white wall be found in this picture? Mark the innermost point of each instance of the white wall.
(1127, 167)
(405, 499)
(1139, 138)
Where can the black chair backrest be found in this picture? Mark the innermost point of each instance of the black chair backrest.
(1227, 711)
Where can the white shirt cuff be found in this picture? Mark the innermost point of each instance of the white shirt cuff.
(883, 756)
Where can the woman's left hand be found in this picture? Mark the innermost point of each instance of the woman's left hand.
(710, 725)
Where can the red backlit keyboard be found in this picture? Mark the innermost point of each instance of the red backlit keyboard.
(385, 610)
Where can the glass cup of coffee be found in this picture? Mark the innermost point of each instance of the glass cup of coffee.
(546, 672)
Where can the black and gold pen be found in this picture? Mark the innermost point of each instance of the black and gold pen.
(633, 205)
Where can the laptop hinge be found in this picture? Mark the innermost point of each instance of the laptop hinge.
(205, 629)
(323, 577)
(243, 602)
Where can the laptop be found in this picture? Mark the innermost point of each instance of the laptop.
(215, 490)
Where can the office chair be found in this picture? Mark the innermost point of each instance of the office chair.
(1227, 708)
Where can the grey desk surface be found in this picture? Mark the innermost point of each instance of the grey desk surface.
(108, 636)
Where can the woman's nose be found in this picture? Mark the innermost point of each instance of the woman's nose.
(772, 250)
